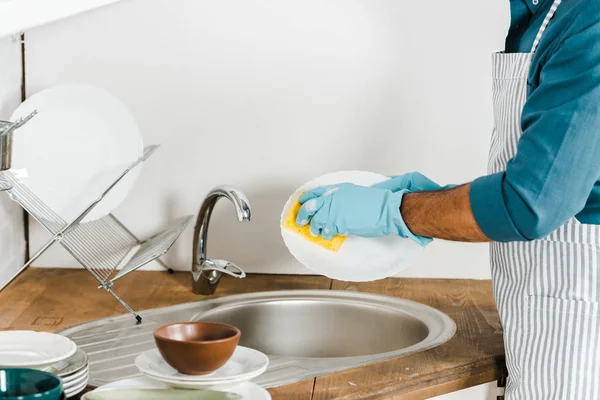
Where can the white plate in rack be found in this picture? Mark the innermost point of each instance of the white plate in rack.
(359, 259)
(30, 349)
(243, 365)
(81, 140)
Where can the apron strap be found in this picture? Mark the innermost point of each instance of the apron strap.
(549, 16)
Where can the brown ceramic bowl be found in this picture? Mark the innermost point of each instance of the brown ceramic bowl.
(197, 348)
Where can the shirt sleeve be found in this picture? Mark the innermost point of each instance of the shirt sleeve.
(558, 155)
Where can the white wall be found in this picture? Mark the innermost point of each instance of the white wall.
(19, 15)
(12, 240)
(265, 95)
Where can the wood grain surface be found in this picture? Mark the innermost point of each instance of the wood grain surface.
(474, 356)
(53, 299)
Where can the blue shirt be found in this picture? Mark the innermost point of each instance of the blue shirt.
(555, 173)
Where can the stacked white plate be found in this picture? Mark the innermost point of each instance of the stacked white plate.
(47, 352)
(243, 365)
(74, 373)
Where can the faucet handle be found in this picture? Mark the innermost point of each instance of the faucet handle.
(222, 266)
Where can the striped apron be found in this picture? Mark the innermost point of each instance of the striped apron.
(547, 291)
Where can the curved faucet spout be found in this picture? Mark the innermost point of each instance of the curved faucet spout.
(205, 275)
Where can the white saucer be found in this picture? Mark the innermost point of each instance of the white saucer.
(73, 391)
(359, 259)
(29, 348)
(243, 365)
(75, 382)
(248, 390)
(76, 376)
(68, 367)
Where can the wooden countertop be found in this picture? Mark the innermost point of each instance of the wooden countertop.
(53, 299)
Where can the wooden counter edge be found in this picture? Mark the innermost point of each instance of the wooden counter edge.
(425, 387)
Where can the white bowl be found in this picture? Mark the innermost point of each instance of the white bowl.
(359, 259)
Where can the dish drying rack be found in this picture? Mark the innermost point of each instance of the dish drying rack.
(104, 247)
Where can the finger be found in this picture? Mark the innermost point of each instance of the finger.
(330, 229)
(319, 221)
(328, 234)
(313, 194)
(315, 229)
(308, 209)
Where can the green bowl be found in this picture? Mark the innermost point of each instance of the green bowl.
(29, 384)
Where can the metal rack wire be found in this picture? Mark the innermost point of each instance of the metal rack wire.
(6, 130)
(104, 247)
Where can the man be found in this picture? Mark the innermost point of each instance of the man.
(540, 205)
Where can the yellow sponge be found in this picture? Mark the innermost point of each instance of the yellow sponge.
(304, 231)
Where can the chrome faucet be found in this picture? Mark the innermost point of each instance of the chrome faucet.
(206, 273)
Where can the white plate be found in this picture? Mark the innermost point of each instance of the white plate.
(72, 390)
(29, 348)
(76, 376)
(244, 364)
(76, 382)
(76, 390)
(359, 259)
(81, 140)
(193, 385)
(160, 394)
(67, 367)
(248, 390)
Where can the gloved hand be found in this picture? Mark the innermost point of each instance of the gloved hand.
(348, 209)
(412, 181)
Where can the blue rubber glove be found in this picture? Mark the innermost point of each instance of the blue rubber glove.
(348, 209)
(412, 181)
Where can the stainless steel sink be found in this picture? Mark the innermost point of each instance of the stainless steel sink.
(305, 333)
(321, 327)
